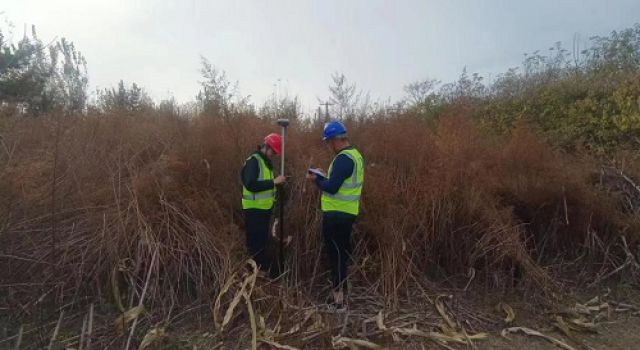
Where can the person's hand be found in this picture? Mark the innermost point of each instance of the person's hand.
(311, 177)
(279, 180)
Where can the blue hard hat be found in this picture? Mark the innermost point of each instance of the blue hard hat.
(333, 129)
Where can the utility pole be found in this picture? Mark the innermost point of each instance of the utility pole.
(393, 110)
(326, 110)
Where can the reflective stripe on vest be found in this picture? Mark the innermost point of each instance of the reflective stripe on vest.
(347, 199)
(259, 200)
(253, 195)
(343, 198)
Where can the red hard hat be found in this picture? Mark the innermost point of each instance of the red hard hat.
(274, 141)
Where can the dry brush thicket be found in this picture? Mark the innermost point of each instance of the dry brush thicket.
(88, 201)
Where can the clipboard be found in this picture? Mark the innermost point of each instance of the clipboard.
(317, 172)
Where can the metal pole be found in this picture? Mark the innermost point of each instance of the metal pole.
(283, 123)
(281, 233)
(284, 128)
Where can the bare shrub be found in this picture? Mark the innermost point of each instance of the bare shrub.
(88, 200)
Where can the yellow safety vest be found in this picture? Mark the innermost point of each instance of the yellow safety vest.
(259, 200)
(347, 199)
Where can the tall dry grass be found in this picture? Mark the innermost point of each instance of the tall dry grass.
(88, 201)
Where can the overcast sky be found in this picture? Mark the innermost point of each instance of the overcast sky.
(379, 45)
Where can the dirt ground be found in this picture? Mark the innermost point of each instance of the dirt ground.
(616, 327)
(622, 333)
(618, 330)
(615, 315)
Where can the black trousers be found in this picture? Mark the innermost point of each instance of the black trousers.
(257, 233)
(336, 231)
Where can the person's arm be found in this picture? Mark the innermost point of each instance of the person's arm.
(341, 170)
(250, 173)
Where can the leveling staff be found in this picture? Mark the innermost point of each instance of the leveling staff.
(340, 204)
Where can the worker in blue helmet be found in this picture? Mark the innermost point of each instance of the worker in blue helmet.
(340, 204)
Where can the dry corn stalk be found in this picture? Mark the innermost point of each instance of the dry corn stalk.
(562, 326)
(278, 345)
(123, 265)
(339, 342)
(532, 332)
(141, 300)
(271, 334)
(123, 320)
(252, 321)
(216, 304)
(511, 315)
(115, 290)
(443, 312)
(579, 324)
(588, 309)
(566, 329)
(449, 334)
(56, 330)
(245, 287)
(154, 334)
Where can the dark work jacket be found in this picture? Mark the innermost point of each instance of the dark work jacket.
(250, 172)
(341, 170)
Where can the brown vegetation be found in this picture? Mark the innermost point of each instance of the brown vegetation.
(87, 202)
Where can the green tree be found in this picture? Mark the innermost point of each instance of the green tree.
(284, 107)
(347, 101)
(588, 102)
(71, 77)
(132, 99)
(423, 98)
(217, 90)
(41, 78)
(218, 96)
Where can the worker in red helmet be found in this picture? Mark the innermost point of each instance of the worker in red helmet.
(258, 197)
